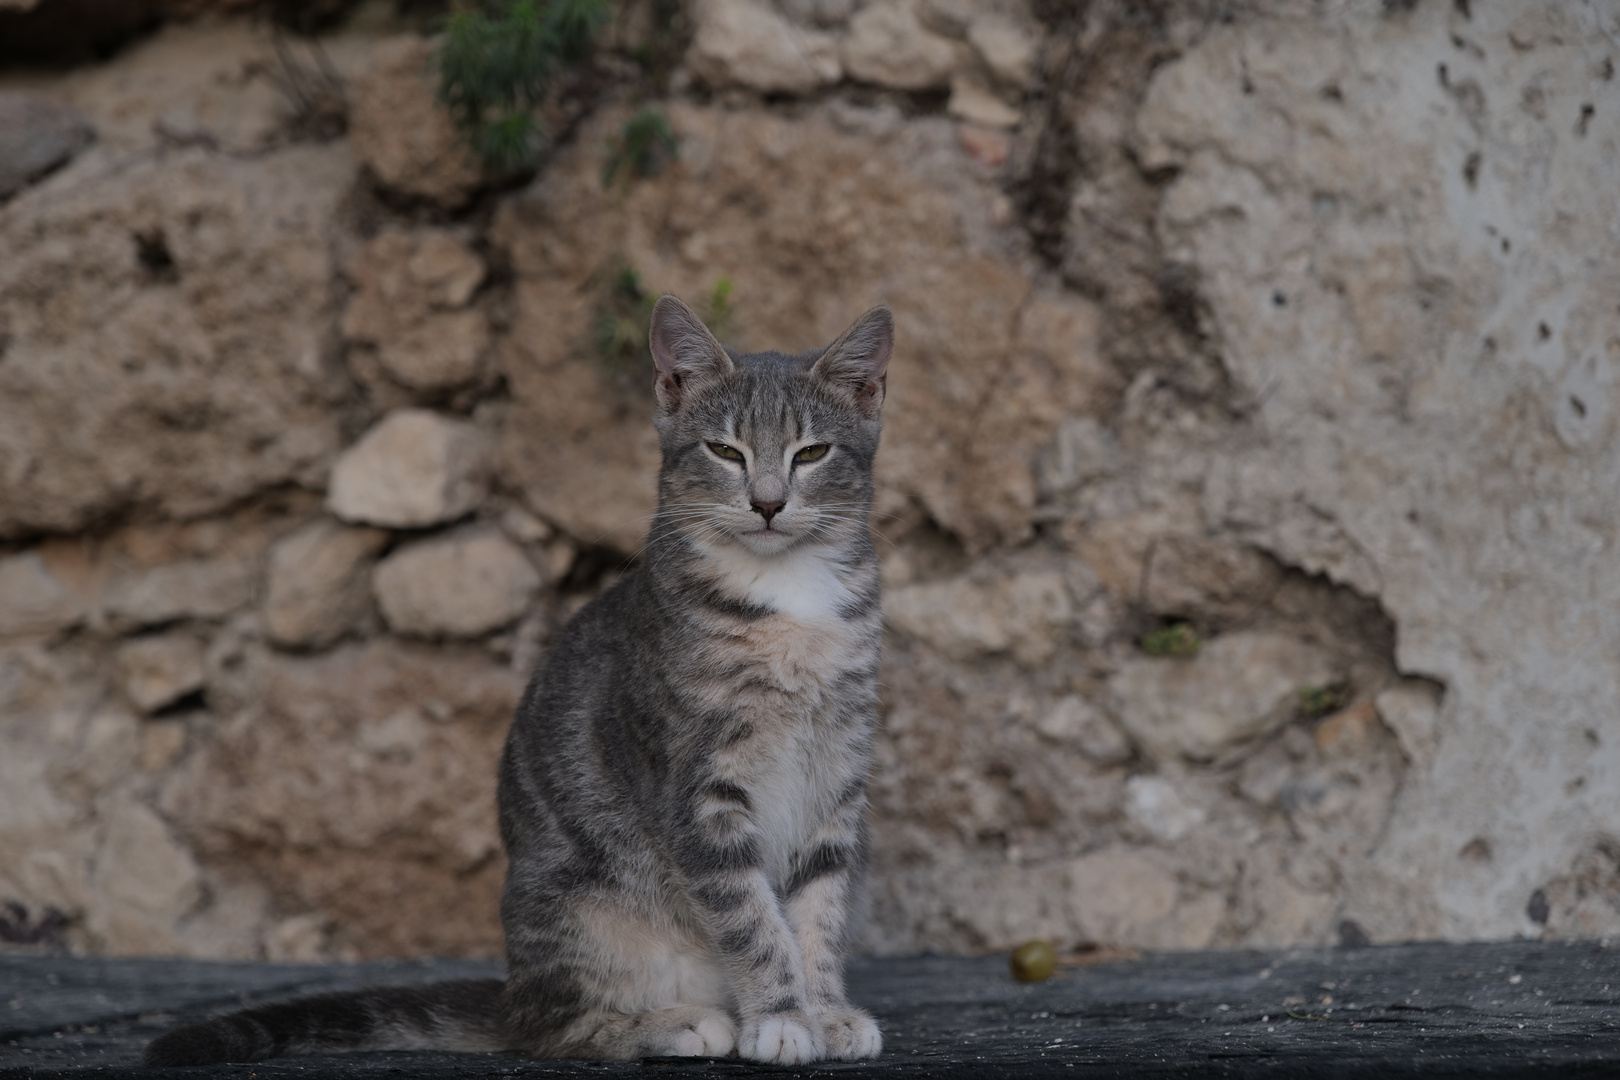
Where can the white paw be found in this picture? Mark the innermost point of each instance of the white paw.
(852, 1035)
(783, 1039)
(709, 1035)
(719, 1037)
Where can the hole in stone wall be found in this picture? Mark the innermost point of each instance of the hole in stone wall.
(1352, 936)
(1538, 909)
(18, 926)
(1543, 331)
(152, 252)
(197, 699)
(1462, 8)
(1577, 406)
(1587, 110)
(1470, 170)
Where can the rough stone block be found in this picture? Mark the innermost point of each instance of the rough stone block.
(195, 348)
(155, 672)
(318, 586)
(1240, 686)
(461, 585)
(1023, 614)
(415, 468)
(36, 136)
(745, 43)
(889, 46)
(403, 135)
(32, 599)
(1007, 49)
(411, 297)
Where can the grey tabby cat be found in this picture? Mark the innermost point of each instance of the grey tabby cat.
(683, 792)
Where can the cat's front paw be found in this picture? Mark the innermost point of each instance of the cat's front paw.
(703, 1034)
(851, 1035)
(784, 1038)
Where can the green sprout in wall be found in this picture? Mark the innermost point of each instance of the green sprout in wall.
(497, 61)
(1317, 701)
(1177, 639)
(624, 315)
(644, 145)
(718, 310)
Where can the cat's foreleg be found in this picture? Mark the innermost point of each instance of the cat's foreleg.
(817, 901)
(721, 859)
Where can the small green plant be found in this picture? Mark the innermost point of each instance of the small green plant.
(1317, 701)
(623, 318)
(497, 61)
(643, 146)
(718, 310)
(1177, 639)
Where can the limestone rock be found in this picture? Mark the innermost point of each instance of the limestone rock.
(1240, 686)
(32, 599)
(36, 136)
(889, 46)
(196, 348)
(1411, 710)
(316, 790)
(403, 135)
(1118, 896)
(828, 13)
(1155, 805)
(972, 101)
(1081, 450)
(1434, 346)
(1075, 721)
(462, 585)
(1007, 49)
(207, 588)
(156, 672)
(1024, 614)
(317, 587)
(143, 880)
(411, 297)
(415, 468)
(745, 43)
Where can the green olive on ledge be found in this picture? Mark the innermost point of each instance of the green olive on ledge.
(1033, 961)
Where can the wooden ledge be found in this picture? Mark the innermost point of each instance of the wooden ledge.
(1505, 1009)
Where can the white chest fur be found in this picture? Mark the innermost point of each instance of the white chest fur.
(805, 644)
(802, 584)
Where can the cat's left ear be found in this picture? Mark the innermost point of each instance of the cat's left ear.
(858, 362)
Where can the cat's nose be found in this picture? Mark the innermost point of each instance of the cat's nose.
(767, 510)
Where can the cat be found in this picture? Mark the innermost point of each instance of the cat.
(683, 791)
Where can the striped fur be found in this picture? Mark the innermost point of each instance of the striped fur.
(683, 792)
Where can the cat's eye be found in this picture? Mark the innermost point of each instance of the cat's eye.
(730, 453)
(812, 453)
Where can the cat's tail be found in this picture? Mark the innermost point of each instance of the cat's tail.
(460, 1014)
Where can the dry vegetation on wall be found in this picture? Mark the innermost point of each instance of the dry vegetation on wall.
(1249, 577)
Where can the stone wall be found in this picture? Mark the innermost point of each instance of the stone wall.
(1247, 500)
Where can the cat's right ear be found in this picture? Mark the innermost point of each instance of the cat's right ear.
(684, 351)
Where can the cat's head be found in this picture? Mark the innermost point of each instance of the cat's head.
(762, 449)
